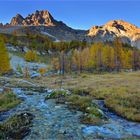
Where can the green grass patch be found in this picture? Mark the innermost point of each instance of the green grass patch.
(79, 102)
(8, 100)
(127, 105)
(123, 100)
(92, 113)
(91, 119)
(81, 92)
(57, 94)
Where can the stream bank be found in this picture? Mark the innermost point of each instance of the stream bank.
(56, 122)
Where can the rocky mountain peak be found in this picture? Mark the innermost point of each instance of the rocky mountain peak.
(116, 28)
(17, 20)
(121, 25)
(39, 18)
(35, 19)
(43, 22)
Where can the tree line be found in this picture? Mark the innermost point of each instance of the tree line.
(74, 56)
(98, 57)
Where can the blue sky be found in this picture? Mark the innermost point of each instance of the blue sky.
(81, 14)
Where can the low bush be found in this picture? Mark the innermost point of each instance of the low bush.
(17, 127)
(42, 71)
(31, 56)
(8, 100)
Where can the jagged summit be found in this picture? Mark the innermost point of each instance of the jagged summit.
(17, 20)
(35, 19)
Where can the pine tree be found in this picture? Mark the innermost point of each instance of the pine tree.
(4, 58)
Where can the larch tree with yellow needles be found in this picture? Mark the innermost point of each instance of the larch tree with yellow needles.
(4, 58)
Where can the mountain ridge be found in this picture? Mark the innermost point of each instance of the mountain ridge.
(43, 22)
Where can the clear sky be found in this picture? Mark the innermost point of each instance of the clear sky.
(80, 14)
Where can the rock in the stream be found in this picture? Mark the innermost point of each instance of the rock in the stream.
(17, 127)
(35, 75)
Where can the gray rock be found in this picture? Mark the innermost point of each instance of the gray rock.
(1, 90)
(35, 75)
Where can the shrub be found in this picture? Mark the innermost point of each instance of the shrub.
(31, 56)
(42, 71)
(17, 127)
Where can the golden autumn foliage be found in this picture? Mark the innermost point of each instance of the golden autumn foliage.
(42, 71)
(31, 56)
(4, 58)
(106, 58)
(56, 64)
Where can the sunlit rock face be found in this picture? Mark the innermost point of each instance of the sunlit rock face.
(17, 20)
(40, 18)
(129, 33)
(37, 18)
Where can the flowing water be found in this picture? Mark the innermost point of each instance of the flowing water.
(56, 122)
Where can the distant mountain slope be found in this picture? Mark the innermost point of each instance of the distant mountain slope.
(129, 33)
(43, 22)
